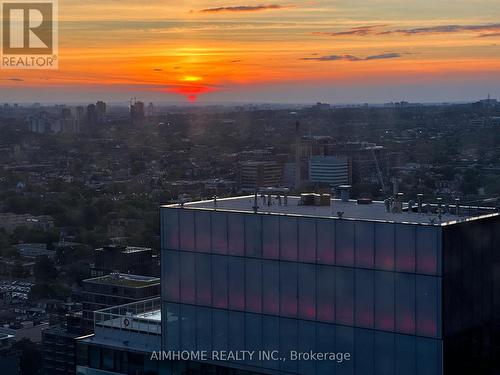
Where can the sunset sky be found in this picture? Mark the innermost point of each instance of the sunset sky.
(337, 51)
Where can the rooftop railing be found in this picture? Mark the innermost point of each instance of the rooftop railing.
(139, 317)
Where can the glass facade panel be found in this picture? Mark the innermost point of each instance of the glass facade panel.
(271, 237)
(325, 341)
(427, 305)
(325, 241)
(405, 303)
(253, 285)
(187, 276)
(236, 234)
(405, 355)
(219, 327)
(364, 310)
(270, 287)
(253, 236)
(219, 233)
(384, 344)
(171, 278)
(307, 241)
(203, 328)
(307, 291)
(384, 301)
(188, 327)
(384, 246)
(203, 232)
(427, 250)
(236, 329)
(306, 343)
(170, 229)
(405, 248)
(203, 280)
(364, 356)
(429, 360)
(344, 342)
(344, 243)
(288, 289)
(236, 273)
(186, 230)
(288, 342)
(271, 338)
(253, 336)
(220, 281)
(344, 296)
(325, 288)
(172, 341)
(288, 238)
(365, 239)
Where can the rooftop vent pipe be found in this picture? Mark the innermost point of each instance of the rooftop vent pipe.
(345, 192)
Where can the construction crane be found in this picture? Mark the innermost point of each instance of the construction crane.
(379, 171)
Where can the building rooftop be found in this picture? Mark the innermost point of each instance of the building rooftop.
(352, 210)
(123, 249)
(131, 281)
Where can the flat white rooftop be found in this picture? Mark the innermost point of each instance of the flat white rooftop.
(375, 211)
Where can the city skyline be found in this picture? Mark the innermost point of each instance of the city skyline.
(275, 51)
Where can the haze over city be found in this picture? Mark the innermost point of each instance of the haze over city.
(276, 51)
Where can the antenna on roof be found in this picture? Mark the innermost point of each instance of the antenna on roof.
(255, 203)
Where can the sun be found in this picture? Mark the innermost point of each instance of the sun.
(190, 78)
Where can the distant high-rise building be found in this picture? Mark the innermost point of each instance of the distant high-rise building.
(255, 174)
(80, 117)
(91, 114)
(137, 113)
(150, 110)
(101, 110)
(125, 259)
(329, 170)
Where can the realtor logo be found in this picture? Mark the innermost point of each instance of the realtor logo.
(29, 34)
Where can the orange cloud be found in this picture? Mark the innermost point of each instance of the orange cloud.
(243, 8)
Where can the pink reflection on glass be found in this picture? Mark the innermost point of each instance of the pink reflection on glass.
(187, 291)
(326, 312)
(364, 257)
(219, 245)
(307, 310)
(219, 301)
(289, 308)
(288, 238)
(385, 323)
(426, 264)
(271, 305)
(271, 250)
(204, 297)
(345, 256)
(253, 304)
(172, 291)
(405, 262)
(385, 259)
(236, 244)
(364, 318)
(236, 300)
(405, 324)
(344, 315)
(271, 300)
(426, 327)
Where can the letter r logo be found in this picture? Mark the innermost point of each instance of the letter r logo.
(28, 28)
